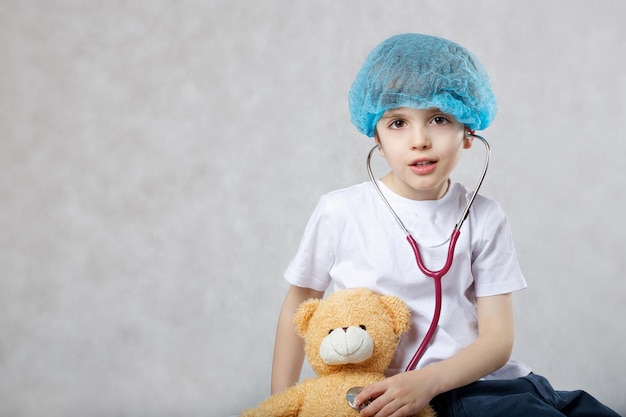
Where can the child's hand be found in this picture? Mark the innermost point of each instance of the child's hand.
(401, 395)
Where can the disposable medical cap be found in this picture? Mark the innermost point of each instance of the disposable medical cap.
(421, 71)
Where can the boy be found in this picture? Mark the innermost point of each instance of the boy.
(421, 97)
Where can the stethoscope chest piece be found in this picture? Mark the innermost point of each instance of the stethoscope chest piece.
(351, 395)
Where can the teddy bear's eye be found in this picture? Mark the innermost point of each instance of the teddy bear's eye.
(362, 326)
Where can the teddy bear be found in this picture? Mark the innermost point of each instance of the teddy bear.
(350, 339)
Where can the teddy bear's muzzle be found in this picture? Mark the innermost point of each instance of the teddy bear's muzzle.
(345, 345)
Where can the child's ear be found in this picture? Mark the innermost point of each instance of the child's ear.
(468, 140)
(380, 146)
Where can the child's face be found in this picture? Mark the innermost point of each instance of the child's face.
(422, 147)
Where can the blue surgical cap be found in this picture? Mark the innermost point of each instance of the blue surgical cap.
(421, 72)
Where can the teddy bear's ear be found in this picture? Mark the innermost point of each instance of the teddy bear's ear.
(398, 311)
(303, 315)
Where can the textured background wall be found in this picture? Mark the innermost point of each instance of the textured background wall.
(158, 162)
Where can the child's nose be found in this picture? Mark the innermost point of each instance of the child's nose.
(420, 140)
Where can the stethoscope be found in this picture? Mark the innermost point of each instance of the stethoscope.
(435, 275)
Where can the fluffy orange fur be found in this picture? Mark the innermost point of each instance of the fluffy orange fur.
(384, 317)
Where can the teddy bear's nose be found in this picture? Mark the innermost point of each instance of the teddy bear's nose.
(345, 329)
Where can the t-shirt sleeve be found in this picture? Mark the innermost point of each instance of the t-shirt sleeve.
(316, 253)
(495, 266)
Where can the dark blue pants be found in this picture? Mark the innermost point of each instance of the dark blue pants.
(529, 396)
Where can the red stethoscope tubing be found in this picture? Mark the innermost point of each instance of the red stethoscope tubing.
(436, 276)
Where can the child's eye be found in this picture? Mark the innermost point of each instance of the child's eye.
(397, 124)
(439, 120)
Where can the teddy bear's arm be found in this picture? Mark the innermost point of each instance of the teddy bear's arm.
(284, 404)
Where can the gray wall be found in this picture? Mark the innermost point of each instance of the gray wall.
(159, 161)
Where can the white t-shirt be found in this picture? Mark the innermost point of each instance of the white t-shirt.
(352, 240)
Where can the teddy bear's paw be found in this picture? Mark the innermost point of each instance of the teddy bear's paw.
(253, 412)
(426, 412)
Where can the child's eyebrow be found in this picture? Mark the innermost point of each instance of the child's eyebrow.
(389, 114)
(400, 112)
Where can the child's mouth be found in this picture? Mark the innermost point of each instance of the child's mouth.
(423, 167)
